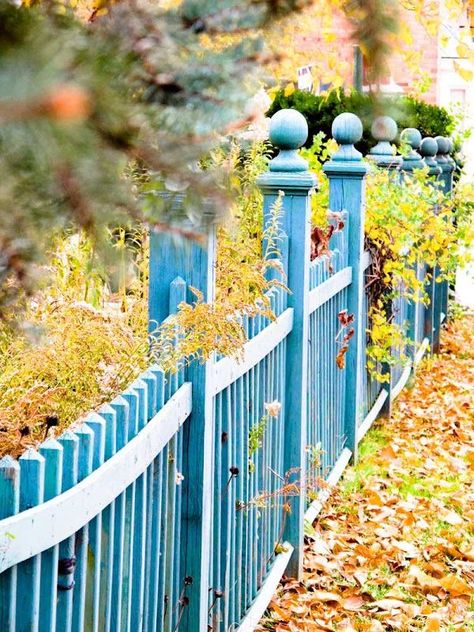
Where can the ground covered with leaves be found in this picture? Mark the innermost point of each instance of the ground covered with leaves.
(394, 547)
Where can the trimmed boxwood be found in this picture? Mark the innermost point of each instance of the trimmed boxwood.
(320, 111)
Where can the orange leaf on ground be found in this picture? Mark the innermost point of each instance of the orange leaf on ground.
(456, 586)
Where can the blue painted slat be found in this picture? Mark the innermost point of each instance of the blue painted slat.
(29, 571)
(121, 408)
(98, 426)
(131, 397)
(156, 510)
(141, 496)
(107, 564)
(9, 506)
(52, 452)
(67, 552)
(85, 458)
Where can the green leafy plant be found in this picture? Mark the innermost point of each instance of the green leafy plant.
(321, 110)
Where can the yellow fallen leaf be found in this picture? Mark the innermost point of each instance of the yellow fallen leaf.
(425, 581)
(456, 586)
(433, 623)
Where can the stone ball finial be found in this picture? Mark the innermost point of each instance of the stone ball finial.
(428, 147)
(288, 129)
(450, 145)
(443, 144)
(347, 128)
(384, 128)
(411, 136)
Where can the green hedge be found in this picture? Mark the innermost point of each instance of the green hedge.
(320, 111)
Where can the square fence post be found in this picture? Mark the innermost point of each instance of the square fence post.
(347, 172)
(288, 175)
(172, 259)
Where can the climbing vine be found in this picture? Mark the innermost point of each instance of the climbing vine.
(407, 225)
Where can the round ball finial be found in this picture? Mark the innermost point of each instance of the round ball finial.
(347, 128)
(450, 146)
(384, 128)
(428, 147)
(288, 129)
(443, 144)
(411, 136)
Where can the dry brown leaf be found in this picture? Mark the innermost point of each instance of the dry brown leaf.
(322, 595)
(353, 603)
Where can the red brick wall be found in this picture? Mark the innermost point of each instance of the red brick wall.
(342, 48)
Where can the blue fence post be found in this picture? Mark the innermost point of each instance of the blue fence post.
(429, 148)
(414, 160)
(448, 172)
(194, 263)
(9, 505)
(347, 172)
(384, 129)
(288, 173)
(412, 137)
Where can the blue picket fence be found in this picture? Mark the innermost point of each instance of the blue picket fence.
(178, 506)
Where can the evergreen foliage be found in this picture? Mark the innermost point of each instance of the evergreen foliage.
(98, 115)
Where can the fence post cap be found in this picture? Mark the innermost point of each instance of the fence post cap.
(288, 132)
(450, 145)
(412, 136)
(384, 128)
(288, 129)
(347, 128)
(428, 147)
(443, 144)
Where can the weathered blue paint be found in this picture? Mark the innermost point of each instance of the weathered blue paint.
(52, 452)
(28, 578)
(67, 549)
(346, 172)
(9, 506)
(289, 174)
(443, 163)
(412, 137)
(98, 426)
(85, 457)
(428, 150)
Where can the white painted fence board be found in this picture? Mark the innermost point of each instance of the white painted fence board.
(33, 531)
(261, 601)
(228, 370)
(372, 416)
(315, 508)
(366, 260)
(326, 290)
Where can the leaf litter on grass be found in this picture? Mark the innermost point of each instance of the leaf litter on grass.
(393, 548)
